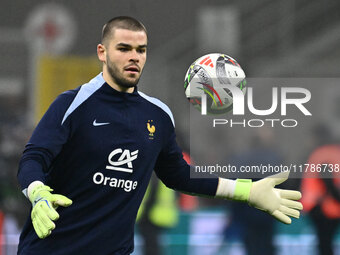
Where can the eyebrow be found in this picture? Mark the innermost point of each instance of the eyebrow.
(129, 46)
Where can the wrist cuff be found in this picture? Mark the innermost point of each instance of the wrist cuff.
(32, 186)
(37, 190)
(242, 190)
(225, 188)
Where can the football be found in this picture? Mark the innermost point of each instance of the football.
(206, 75)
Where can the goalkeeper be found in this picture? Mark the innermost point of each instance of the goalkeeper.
(88, 163)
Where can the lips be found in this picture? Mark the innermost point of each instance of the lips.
(132, 69)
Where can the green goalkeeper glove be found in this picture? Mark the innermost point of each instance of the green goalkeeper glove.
(263, 195)
(44, 208)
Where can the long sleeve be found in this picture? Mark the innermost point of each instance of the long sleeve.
(172, 169)
(46, 142)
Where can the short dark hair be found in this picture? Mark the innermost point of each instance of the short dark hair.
(122, 22)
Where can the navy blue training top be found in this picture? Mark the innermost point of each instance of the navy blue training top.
(98, 147)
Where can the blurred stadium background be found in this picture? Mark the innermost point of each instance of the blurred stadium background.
(49, 46)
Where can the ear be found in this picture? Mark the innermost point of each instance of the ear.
(101, 52)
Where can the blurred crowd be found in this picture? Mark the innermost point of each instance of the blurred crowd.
(14, 207)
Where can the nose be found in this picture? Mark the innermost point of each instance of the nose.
(134, 57)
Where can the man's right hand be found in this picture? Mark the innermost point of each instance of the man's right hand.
(44, 208)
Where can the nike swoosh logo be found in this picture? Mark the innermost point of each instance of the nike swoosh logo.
(96, 124)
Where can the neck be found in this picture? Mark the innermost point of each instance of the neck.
(114, 85)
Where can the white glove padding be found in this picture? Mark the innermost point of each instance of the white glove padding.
(279, 203)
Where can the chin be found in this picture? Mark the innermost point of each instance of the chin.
(133, 79)
(129, 83)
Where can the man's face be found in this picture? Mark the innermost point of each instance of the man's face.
(126, 56)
